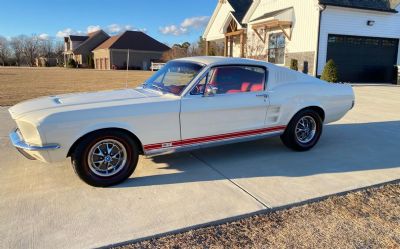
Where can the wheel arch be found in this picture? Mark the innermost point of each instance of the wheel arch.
(318, 109)
(129, 133)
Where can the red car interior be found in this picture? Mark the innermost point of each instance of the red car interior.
(237, 80)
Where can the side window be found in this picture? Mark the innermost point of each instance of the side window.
(238, 79)
(199, 88)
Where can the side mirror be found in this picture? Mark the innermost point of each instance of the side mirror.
(210, 91)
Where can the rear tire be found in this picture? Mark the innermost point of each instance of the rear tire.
(303, 131)
(105, 158)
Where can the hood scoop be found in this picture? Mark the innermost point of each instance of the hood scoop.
(57, 100)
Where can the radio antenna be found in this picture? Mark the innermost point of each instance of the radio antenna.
(127, 70)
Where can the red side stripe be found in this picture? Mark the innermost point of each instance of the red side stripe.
(199, 140)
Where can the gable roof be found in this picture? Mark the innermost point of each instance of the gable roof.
(108, 43)
(91, 34)
(134, 40)
(378, 5)
(240, 8)
(94, 39)
(78, 37)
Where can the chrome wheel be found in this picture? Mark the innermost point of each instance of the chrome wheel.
(306, 129)
(107, 157)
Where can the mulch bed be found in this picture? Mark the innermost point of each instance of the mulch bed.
(365, 219)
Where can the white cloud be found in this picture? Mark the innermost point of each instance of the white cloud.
(195, 22)
(114, 28)
(64, 33)
(111, 29)
(44, 36)
(144, 30)
(192, 23)
(68, 31)
(93, 28)
(173, 30)
(128, 27)
(118, 28)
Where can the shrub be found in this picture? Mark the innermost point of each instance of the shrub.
(71, 63)
(330, 72)
(294, 64)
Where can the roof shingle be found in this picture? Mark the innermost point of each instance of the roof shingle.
(379, 5)
(78, 37)
(134, 40)
(241, 7)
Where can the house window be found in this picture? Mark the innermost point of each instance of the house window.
(276, 48)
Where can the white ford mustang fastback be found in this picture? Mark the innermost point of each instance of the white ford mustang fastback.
(190, 103)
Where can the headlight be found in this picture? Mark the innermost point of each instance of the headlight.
(29, 132)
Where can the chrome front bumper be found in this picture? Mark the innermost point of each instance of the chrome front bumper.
(19, 143)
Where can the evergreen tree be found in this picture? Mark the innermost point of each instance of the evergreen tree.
(330, 72)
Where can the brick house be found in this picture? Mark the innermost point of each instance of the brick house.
(80, 48)
(143, 49)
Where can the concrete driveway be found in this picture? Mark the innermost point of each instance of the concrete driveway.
(47, 206)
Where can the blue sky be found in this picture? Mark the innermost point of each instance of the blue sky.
(170, 21)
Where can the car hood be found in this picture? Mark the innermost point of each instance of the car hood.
(77, 99)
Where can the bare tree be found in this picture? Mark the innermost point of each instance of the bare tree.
(31, 48)
(214, 48)
(46, 47)
(177, 51)
(18, 48)
(58, 51)
(256, 48)
(5, 50)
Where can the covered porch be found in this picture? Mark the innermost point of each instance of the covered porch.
(231, 38)
(273, 30)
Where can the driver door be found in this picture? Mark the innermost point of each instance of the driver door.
(237, 108)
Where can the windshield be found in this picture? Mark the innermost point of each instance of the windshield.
(174, 77)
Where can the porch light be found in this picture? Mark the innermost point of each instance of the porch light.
(370, 23)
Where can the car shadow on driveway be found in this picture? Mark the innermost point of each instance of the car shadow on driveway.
(342, 148)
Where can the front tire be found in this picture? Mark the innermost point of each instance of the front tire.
(303, 131)
(105, 158)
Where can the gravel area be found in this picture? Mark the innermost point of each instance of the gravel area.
(365, 219)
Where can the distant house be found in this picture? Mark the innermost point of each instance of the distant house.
(361, 36)
(80, 48)
(46, 61)
(143, 49)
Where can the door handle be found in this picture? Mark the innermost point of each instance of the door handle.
(264, 95)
